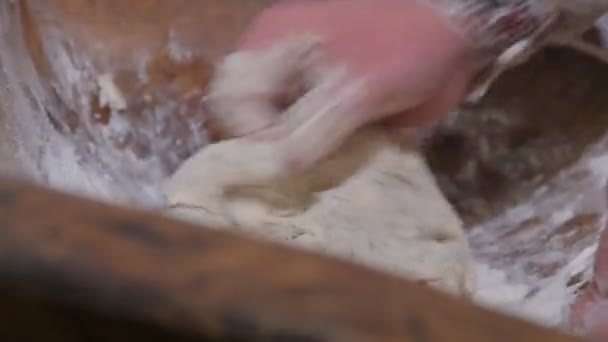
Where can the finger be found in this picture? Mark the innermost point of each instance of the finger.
(322, 120)
(589, 312)
(579, 309)
(236, 105)
(438, 106)
(600, 266)
(246, 85)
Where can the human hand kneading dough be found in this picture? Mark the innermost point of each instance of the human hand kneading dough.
(339, 65)
(307, 74)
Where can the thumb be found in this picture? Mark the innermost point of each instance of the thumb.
(242, 95)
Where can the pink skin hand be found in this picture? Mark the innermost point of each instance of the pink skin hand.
(589, 312)
(405, 52)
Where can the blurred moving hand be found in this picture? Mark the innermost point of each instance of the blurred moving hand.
(316, 71)
(308, 73)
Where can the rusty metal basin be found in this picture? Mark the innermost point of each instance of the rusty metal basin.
(103, 99)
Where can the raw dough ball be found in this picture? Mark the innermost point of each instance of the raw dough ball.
(375, 203)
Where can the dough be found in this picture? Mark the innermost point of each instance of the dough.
(375, 202)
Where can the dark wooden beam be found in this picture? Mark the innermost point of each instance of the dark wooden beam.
(74, 269)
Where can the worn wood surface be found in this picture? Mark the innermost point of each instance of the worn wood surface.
(133, 265)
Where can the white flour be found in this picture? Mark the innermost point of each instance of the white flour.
(507, 285)
(543, 303)
(503, 281)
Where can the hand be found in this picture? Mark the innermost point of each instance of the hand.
(339, 65)
(589, 312)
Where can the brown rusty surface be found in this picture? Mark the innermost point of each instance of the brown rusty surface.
(210, 25)
(138, 265)
(159, 55)
(518, 167)
(535, 122)
(125, 36)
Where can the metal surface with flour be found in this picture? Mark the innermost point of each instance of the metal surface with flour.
(520, 187)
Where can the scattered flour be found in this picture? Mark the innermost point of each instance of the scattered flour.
(56, 162)
(502, 281)
(543, 303)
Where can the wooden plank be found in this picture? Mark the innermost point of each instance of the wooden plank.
(65, 260)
